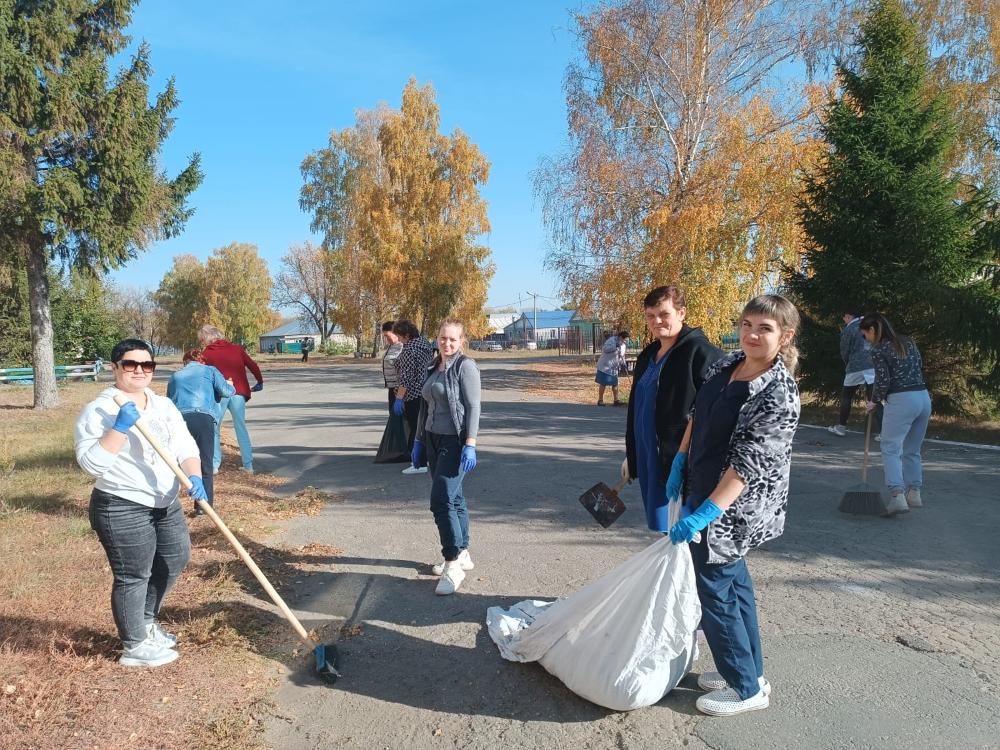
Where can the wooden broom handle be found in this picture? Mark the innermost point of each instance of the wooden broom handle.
(210, 512)
(868, 434)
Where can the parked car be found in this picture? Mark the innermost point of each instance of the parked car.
(494, 346)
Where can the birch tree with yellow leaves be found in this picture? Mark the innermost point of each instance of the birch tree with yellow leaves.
(684, 157)
(400, 211)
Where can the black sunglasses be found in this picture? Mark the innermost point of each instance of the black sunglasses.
(129, 365)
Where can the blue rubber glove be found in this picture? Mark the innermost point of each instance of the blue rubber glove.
(397, 407)
(675, 482)
(685, 529)
(128, 415)
(417, 454)
(468, 458)
(258, 387)
(197, 491)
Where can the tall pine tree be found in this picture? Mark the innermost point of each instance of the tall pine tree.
(79, 182)
(888, 228)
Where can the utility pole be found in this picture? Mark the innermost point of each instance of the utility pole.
(534, 314)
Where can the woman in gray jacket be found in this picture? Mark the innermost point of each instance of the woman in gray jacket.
(447, 428)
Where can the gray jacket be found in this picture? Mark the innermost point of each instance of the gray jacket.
(760, 452)
(462, 384)
(854, 350)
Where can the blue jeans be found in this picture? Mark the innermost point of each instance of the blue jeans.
(237, 407)
(904, 425)
(451, 514)
(147, 549)
(202, 429)
(729, 619)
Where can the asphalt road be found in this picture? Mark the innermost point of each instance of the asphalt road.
(877, 633)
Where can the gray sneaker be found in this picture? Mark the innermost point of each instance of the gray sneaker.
(147, 654)
(913, 498)
(897, 505)
(709, 681)
(837, 429)
(158, 635)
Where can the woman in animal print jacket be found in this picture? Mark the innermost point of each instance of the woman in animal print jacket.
(737, 453)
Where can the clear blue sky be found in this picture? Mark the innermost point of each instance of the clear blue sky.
(262, 84)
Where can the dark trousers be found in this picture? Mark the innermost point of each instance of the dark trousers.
(451, 514)
(729, 619)
(392, 397)
(411, 413)
(147, 549)
(847, 400)
(202, 429)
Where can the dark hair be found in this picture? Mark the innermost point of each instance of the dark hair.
(624, 334)
(674, 293)
(405, 328)
(851, 310)
(883, 332)
(192, 355)
(387, 326)
(130, 345)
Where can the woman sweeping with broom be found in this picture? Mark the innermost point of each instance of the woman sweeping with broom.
(134, 507)
(736, 458)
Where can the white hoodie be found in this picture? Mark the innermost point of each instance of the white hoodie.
(136, 472)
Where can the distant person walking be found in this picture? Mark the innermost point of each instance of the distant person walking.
(233, 362)
(393, 347)
(134, 507)
(739, 441)
(859, 370)
(308, 344)
(609, 364)
(447, 428)
(411, 370)
(196, 390)
(668, 374)
(900, 389)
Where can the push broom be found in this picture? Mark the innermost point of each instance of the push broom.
(326, 655)
(864, 499)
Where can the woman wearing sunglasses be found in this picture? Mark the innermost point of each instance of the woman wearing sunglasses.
(134, 507)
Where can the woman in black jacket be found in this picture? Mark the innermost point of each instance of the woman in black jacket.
(668, 374)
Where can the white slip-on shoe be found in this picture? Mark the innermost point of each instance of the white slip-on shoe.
(837, 429)
(464, 560)
(897, 504)
(415, 470)
(158, 635)
(727, 702)
(709, 681)
(147, 654)
(913, 498)
(451, 579)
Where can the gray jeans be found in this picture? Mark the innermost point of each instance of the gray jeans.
(147, 549)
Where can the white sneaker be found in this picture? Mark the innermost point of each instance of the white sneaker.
(837, 429)
(415, 470)
(451, 579)
(147, 654)
(464, 560)
(709, 681)
(897, 504)
(913, 498)
(878, 438)
(727, 702)
(158, 635)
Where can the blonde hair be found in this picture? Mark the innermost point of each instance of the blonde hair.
(452, 322)
(209, 333)
(778, 308)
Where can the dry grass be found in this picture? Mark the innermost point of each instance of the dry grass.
(60, 686)
(574, 381)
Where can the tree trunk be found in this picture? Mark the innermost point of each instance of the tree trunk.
(42, 358)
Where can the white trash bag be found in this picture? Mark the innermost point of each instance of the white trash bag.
(623, 641)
